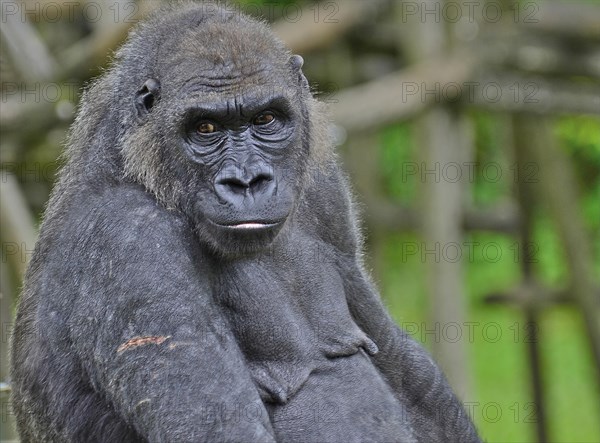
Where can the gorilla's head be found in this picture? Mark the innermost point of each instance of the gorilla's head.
(222, 126)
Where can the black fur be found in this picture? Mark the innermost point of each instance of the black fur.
(191, 285)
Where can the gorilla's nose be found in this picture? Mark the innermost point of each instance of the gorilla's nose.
(234, 184)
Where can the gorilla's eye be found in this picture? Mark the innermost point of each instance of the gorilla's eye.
(206, 128)
(264, 118)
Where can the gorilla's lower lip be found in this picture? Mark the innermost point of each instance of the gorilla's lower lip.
(249, 225)
(252, 225)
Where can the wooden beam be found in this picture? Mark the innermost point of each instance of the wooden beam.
(401, 95)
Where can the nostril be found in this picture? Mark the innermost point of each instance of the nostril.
(259, 180)
(234, 184)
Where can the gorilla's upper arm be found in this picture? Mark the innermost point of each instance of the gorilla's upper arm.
(436, 413)
(170, 363)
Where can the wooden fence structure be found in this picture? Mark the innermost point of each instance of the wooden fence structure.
(527, 62)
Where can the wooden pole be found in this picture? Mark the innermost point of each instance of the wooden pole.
(524, 132)
(442, 137)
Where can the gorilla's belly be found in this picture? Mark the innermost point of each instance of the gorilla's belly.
(344, 400)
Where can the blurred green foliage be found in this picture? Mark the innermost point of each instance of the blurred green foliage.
(502, 406)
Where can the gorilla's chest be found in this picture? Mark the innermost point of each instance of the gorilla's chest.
(288, 323)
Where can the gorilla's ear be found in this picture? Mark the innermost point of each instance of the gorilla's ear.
(296, 62)
(146, 97)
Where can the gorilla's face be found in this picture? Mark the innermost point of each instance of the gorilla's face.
(243, 145)
(234, 139)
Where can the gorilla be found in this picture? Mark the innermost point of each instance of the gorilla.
(198, 275)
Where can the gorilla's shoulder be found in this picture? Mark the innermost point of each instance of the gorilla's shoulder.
(115, 217)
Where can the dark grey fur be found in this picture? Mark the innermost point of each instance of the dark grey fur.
(141, 320)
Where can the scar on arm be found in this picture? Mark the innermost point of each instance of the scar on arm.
(141, 341)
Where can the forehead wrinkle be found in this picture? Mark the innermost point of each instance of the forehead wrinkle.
(255, 87)
(216, 82)
(260, 95)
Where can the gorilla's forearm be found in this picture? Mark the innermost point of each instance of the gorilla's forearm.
(189, 385)
(171, 366)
